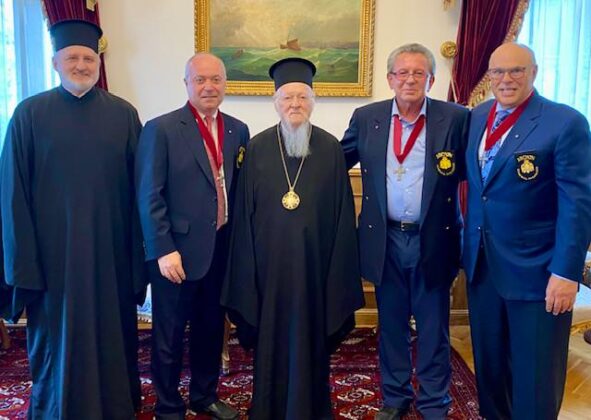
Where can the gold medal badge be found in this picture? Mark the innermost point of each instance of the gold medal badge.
(526, 166)
(446, 163)
(240, 157)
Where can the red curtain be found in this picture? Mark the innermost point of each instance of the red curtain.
(58, 10)
(484, 25)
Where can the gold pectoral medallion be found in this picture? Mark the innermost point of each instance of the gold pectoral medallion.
(290, 200)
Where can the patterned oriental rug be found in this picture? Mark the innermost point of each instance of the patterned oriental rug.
(355, 380)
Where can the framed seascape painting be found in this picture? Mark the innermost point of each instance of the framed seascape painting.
(249, 36)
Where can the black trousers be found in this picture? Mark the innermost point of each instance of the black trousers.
(198, 303)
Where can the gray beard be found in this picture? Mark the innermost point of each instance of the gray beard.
(296, 140)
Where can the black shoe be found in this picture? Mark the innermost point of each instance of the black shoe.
(218, 410)
(587, 336)
(390, 413)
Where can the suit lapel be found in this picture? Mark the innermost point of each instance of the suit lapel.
(379, 130)
(434, 140)
(478, 125)
(526, 123)
(193, 140)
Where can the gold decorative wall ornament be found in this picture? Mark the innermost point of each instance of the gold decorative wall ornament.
(448, 4)
(449, 49)
(103, 44)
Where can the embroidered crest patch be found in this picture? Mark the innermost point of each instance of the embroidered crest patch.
(526, 166)
(446, 162)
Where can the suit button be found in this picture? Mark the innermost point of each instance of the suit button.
(447, 228)
(214, 222)
(367, 197)
(364, 171)
(449, 199)
(484, 198)
(370, 226)
(479, 227)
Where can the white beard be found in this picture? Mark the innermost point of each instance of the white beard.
(296, 140)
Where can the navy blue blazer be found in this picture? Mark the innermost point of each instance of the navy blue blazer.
(366, 141)
(175, 187)
(532, 216)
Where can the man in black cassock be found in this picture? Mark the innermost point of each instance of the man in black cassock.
(72, 245)
(293, 281)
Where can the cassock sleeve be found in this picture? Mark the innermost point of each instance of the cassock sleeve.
(23, 278)
(344, 292)
(239, 291)
(139, 274)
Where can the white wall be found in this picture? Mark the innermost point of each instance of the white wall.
(150, 41)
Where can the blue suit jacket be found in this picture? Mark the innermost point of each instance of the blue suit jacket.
(366, 141)
(532, 216)
(175, 187)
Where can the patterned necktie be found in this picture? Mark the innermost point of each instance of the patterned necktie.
(489, 155)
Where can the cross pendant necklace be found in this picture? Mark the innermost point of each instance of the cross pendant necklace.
(399, 172)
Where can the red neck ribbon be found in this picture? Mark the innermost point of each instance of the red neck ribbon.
(414, 135)
(217, 153)
(493, 138)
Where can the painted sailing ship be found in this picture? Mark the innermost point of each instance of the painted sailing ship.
(291, 44)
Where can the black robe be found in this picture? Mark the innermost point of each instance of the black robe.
(293, 280)
(72, 251)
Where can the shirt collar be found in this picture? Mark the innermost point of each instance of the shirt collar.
(423, 111)
(214, 116)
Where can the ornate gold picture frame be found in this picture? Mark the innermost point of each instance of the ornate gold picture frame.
(336, 35)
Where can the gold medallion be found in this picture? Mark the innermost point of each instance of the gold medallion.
(290, 200)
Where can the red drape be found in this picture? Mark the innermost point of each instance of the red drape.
(58, 10)
(484, 25)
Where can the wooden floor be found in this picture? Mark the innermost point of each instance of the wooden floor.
(577, 397)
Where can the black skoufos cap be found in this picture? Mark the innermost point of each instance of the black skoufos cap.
(292, 69)
(75, 32)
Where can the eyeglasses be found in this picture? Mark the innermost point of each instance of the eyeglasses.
(403, 75)
(199, 80)
(514, 73)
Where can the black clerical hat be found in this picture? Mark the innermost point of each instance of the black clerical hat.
(292, 69)
(75, 32)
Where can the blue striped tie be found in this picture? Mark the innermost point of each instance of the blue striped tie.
(489, 155)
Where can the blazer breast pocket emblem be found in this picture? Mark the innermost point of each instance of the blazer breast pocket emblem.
(240, 157)
(446, 162)
(527, 169)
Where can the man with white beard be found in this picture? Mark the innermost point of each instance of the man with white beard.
(293, 281)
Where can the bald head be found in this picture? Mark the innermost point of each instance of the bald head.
(514, 51)
(512, 69)
(205, 80)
